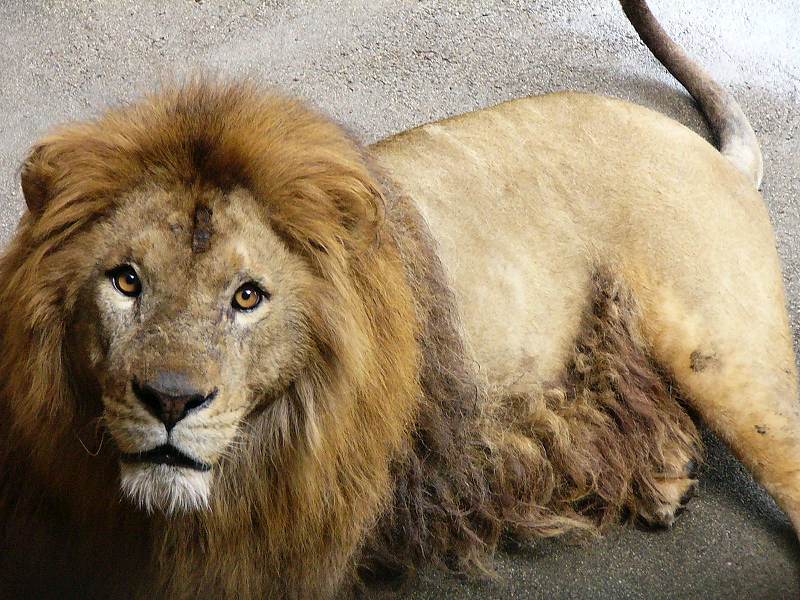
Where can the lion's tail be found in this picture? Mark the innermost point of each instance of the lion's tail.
(729, 125)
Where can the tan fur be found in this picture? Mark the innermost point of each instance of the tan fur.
(461, 341)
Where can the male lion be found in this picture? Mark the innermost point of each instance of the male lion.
(305, 365)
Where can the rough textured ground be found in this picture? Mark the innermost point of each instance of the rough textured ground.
(384, 65)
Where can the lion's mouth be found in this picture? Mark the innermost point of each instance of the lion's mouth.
(166, 455)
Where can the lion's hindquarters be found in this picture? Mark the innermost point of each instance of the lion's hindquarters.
(733, 356)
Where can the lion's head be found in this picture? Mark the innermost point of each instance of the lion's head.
(200, 313)
(202, 273)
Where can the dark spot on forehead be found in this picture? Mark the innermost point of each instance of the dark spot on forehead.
(203, 229)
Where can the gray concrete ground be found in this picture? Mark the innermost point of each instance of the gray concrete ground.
(381, 66)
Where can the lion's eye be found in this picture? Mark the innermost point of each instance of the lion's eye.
(126, 281)
(248, 296)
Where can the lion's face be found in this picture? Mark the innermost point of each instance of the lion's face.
(201, 318)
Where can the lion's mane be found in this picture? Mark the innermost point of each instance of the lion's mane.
(387, 452)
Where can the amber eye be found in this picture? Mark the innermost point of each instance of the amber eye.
(126, 281)
(248, 297)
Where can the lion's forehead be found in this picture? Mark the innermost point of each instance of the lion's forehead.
(196, 235)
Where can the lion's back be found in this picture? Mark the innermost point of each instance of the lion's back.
(529, 199)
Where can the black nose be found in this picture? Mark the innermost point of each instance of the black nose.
(170, 397)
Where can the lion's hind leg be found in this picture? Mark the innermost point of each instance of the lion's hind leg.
(615, 438)
(732, 356)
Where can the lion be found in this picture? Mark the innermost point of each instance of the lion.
(246, 357)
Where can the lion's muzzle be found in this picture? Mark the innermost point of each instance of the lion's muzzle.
(170, 397)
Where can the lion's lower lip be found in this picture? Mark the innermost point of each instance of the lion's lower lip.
(166, 455)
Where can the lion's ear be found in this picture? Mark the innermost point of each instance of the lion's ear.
(364, 215)
(362, 205)
(35, 177)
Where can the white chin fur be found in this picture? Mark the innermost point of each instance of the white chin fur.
(166, 488)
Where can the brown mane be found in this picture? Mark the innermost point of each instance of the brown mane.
(323, 201)
(388, 451)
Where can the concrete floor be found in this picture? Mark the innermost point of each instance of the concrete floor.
(381, 66)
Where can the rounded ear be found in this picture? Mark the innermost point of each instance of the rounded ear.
(35, 178)
(363, 210)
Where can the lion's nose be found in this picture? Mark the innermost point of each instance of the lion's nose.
(170, 397)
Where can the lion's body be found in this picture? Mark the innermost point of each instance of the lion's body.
(416, 390)
(529, 200)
